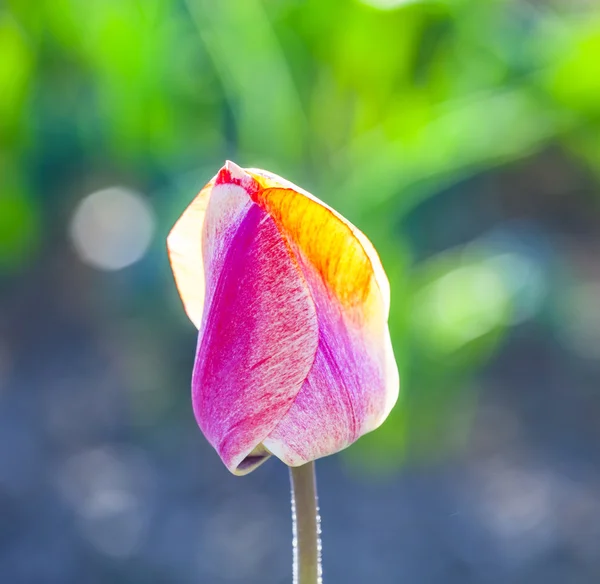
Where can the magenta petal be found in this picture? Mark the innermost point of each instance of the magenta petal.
(258, 338)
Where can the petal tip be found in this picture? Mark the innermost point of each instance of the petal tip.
(234, 170)
(232, 174)
(251, 461)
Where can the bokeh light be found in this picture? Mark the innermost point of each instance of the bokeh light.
(109, 490)
(112, 228)
(461, 305)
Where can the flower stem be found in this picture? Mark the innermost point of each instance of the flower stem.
(307, 525)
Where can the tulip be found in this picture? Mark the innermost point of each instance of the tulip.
(291, 302)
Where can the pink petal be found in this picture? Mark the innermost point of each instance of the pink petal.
(346, 392)
(259, 331)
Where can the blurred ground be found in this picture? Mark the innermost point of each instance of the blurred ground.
(462, 136)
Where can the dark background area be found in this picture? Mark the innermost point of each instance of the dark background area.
(462, 136)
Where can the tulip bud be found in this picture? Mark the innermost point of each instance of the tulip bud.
(294, 357)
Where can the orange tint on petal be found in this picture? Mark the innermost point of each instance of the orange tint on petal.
(339, 251)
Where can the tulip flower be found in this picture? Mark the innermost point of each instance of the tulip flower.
(294, 357)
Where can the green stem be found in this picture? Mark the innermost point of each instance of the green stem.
(307, 525)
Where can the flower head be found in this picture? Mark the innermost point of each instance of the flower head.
(291, 302)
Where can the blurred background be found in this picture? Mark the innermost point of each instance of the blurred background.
(462, 136)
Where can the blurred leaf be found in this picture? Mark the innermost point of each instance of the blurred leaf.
(461, 138)
(16, 66)
(258, 83)
(574, 79)
(19, 226)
